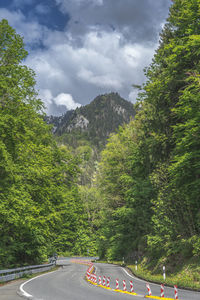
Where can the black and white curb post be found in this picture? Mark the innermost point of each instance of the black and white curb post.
(164, 275)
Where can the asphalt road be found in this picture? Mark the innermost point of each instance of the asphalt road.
(68, 283)
(139, 285)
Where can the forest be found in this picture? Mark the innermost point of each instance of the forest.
(142, 198)
(150, 171)
(40, 208)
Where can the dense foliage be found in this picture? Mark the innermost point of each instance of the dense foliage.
(40, 210)
(150, 170)
(143, 196)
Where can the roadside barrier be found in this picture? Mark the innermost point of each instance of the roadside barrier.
(162, 294)
(11, 274)
(88, 275)
(95, 278)
(175, 292)
(104, 280)
(92, 278)
(148, 289)
(124, 285)
(117, 284)
(131, 286)
(108, 282)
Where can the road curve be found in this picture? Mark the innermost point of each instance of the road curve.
(69, 283)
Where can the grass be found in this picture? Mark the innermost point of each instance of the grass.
(186, 277)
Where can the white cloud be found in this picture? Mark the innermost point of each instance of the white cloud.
(46, 96)
(42, 9)
(20, 3)
(99, 80)
(66, 100)
(102, 64)
(138, 20)
(81, 2)
(32, 32)
(98, 2)
(102, 49)
(94, 2)
(133, 96)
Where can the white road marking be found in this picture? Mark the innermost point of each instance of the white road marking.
(133, 276)
(156, 284)
(26, 295)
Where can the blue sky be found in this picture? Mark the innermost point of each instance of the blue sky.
(82, 48)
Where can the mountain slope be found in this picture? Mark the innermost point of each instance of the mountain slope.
(95, 121)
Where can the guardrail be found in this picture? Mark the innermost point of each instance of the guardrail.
(11, 274)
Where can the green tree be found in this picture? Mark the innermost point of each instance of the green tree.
(127, 192)
(154, 173)
(171, 94)
(39, 202)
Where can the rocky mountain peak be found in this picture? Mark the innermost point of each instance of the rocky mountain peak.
(95, 121)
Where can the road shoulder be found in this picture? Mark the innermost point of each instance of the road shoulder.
(9, 290)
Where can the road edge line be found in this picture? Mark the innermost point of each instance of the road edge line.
(22, 293)
(157, 297)
(113, 290)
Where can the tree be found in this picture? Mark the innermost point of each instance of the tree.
(126, 192)
(171, 93)
(39, 202)
(151, 167)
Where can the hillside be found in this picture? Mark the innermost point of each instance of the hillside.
(93, 122)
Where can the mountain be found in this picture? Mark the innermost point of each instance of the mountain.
(93, 122)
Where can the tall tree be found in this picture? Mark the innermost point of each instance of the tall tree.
(162, 157)
(39, 203)
(127, 192)
(171, 95)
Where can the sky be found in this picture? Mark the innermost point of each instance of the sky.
(80, 49)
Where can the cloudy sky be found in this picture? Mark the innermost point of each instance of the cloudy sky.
(82, 48)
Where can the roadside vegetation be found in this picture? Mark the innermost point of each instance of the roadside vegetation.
(186, 275)
(140, 200)
(149, 172)
(40, 207)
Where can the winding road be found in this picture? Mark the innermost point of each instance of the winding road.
(68, 283)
